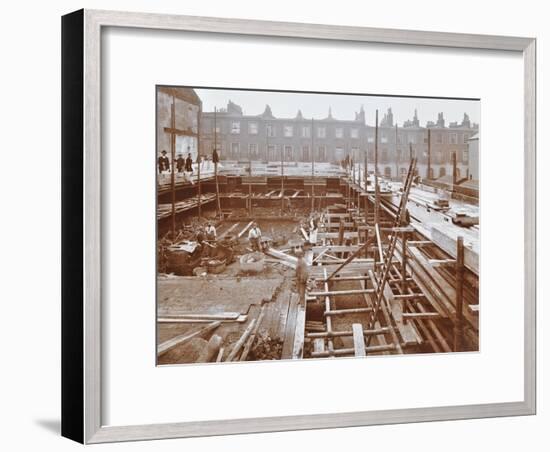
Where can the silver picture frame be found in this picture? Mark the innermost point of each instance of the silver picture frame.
(81, 222)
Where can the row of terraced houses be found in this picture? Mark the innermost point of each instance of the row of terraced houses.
(264, 137)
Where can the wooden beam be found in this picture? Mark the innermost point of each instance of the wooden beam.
(183, 338)
(252, 337)
(340, 292)
(299, 334)
(240, 234)
(358, 340)
(237, 347)
(421, 315)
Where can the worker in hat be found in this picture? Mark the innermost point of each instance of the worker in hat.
(163, 163)
(180, 163)
(254, 236)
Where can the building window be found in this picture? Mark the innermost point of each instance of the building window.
(354, 133)
(411, 138)
(305, 153)
(465, 138)
(384, 155)
(383, 138)
(387, 171)
(253, 128)
(339, 154)
(235, 150)
(403, 171)
(270, 130)
(288, 152)
(322, 153)
(400, 139)
(288, 131)
(442, 171)
(272, 152)
(339, 132)
(439, 157)
(235, 127)
(253, 150)
(465, 156)
(306, 131)
(354, 153)
(458, 173)
(321, 132)
(370, 138)
(453, 138)
(439, 138)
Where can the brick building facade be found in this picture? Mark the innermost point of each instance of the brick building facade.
(265, 137)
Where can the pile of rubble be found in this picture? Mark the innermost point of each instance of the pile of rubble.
(266, 348)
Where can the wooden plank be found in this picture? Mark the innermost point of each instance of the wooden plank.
(380, 338)
(242, 318)
(201, 316)
(283, 314)
(299, 334)
(280, 255)
(228, 231)
(405, 330)
(183, 338)
(252, 337)
(421, 315)
(240, 234)
(334, 235)
(358, 340)
(340, 292)
(237, 347)
(318, 345)
(290, 329)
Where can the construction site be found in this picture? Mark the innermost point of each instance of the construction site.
(276, 259)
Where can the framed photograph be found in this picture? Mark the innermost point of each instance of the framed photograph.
(280, 226)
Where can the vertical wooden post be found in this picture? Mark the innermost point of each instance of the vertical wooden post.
(216, 166)
(173, 158)
(199, 158)
(428, 171)
(404, 262)
(454, 169)
(459, 319)
(396, 156)
(312, 168)
(341, 232)
(376, 188)
(282, 178)
(249, 183)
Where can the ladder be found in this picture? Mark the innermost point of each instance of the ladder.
(387, 256)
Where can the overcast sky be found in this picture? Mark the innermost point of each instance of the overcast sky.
(286, 105)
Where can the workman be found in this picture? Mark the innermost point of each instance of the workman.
(210, 232)
(254, 236)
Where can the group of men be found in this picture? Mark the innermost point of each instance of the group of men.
(206, 238)
(181, 164)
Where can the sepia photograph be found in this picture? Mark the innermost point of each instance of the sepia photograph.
(308, 225)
